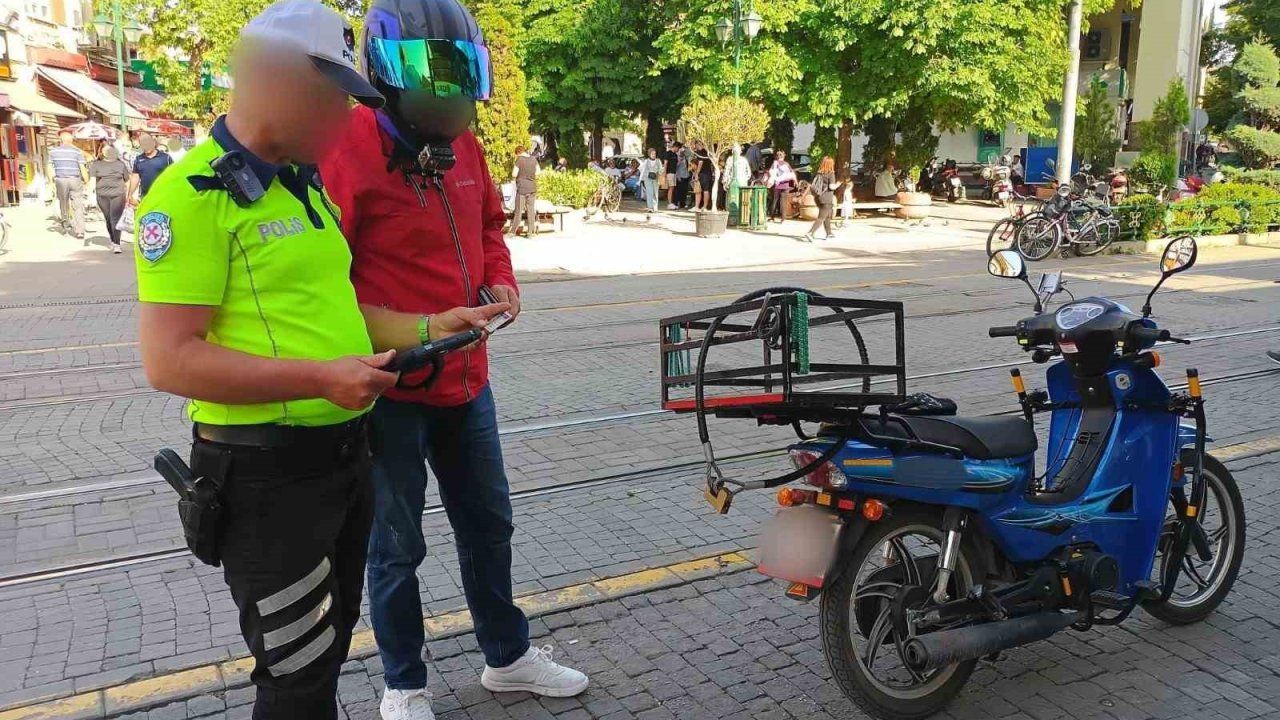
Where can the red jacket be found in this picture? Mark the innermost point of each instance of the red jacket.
(406, 255)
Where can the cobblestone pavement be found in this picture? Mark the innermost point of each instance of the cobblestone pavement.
(732, 648)
(74, 409)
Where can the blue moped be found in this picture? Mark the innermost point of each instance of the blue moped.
(932, 541)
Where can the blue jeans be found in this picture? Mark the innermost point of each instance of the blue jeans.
(461, 445)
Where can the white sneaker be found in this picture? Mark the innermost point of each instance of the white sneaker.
(406, 705)
(671, 206)
(537, 673)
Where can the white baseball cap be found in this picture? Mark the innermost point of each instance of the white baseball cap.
(323, 35)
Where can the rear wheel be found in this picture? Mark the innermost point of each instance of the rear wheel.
(1203, 585)
(1104, 233)
(861, 643)
(1038, 236)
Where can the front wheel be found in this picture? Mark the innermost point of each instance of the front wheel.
(1203, 585)
(862, 646)
(1003, 235)
(1038, 237)
(1101, 238)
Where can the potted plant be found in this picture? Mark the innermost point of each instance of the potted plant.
(915, 205)
(720, 124)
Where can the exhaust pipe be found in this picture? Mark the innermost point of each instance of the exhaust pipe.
(940, 649)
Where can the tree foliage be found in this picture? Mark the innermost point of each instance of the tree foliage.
(1257, 69)
(191, 39)
(1255, 17)
(1097, 137)
(720, 124)
(502, 123)
(1170, 114)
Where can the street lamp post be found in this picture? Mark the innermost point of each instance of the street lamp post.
(742, 26)
(121, 33)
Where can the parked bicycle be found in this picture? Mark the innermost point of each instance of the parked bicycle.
(1081, 226)
(607, 199)
(1004, 233)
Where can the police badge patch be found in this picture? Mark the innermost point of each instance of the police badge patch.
(154, 235)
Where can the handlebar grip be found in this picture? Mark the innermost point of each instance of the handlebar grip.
(1146, 335)
(1006, 331)
(423, 355)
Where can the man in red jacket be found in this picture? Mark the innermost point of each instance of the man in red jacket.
(425, 222)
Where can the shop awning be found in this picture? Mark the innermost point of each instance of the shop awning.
(143, 100)
(24, 97)
(92, 93)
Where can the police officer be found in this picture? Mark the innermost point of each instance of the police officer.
(425, 224)
(247, 308)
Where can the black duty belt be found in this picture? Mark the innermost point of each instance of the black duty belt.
(280, 436)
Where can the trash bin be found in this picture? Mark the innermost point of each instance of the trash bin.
(753, 207)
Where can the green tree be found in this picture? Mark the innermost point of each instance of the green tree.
(1257, 70)
(191, 39)
(720, 124)
(1170, 114)
(502, 123)
(1097, 138)
(1255, 17)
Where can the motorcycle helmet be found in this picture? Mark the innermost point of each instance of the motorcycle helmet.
(430, 61)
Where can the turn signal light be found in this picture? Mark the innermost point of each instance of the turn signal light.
(872, 509)
(1155, 359)
(791, 497)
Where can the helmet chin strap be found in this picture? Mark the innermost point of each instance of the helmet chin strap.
(433, 152)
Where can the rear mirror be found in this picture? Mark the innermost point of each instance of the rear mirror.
(1007, 264)
(1179, 255)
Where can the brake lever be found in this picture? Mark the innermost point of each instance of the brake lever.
(1179, 340)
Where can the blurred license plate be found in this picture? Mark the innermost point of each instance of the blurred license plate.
(1004, 195)
(799, 543)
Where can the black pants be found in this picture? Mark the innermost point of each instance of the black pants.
(295, 534)
(682, 191)
(775, 202)
(824, 218)
(112, 207)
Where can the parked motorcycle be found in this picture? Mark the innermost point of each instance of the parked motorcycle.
(951, 182)
(930, 180)
(930, 540)
(999, 189)
(1118, 180)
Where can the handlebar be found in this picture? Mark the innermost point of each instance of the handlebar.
(423, 355)
(1005, 331)
(1147, 336)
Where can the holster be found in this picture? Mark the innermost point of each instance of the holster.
(199, 499)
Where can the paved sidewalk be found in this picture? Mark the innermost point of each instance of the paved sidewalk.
(733, 648)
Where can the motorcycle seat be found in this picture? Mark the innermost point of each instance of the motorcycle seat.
(980, 438)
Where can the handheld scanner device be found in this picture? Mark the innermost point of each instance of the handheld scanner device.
(424, 355)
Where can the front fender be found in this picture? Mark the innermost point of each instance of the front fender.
(1187, 435)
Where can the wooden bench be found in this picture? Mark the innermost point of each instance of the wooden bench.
(555, 217)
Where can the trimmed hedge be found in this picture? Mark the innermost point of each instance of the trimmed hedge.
(1141, 217)
(571, 187)
(1226, 208)
(1266, 178)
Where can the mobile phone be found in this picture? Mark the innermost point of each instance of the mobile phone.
(499, 321)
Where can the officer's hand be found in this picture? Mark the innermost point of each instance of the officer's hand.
(355, 382)
(461, 319)
(508, 294)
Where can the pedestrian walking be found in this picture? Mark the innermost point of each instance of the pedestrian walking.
(651, 168)
(248, 310)
(684, 176)
(147, 166)
(706, 176)
(823, 186)
(108, 183)
(69, 169)
(781, 179)
(525, 174)
(672, 161)
(425, 227)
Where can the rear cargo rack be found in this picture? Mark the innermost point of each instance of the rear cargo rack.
(708, 361)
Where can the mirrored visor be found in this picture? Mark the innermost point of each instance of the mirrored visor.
(448, 68)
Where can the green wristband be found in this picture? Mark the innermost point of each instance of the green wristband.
(424, 329)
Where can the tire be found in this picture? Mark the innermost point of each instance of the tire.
(841, 616)
(1038, 237)
(1003, 235)
(1105, 233)
(1221, 494)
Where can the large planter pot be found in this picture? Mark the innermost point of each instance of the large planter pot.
(915, 205)
(808, 208)
(712, 224)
